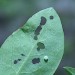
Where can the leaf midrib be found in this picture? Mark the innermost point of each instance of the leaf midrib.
(26, 59)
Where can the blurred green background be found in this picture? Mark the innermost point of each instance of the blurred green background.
(15, 13)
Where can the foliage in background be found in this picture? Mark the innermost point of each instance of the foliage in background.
(70, 70)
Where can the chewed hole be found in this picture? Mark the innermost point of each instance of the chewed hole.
(43, 21)
(19, 59)
(40, 45)
(36, 60)
(22, 54)
(15, 61)
(46, 58)
(51, 17)
(39, 28)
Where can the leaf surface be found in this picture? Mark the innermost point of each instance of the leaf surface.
(36, 48)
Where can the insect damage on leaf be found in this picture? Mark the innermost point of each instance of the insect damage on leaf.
(43, 21)
(22, 55)
(51, 17)
(19, 59)
(37, 31)
(36, 60)
(16, 61)
(40, 46)
(42, 54)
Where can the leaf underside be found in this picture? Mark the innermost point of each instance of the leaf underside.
(36, 48)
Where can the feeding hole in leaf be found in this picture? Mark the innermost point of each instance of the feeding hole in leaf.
(43, 21)
(46, 58)
(37, 31)
(15, 61)
(36, 60)
(19, 59)
(51, 17)
(22, 55)
(40, 46)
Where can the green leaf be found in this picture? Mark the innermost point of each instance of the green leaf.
(36, 48)
(70, 70)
